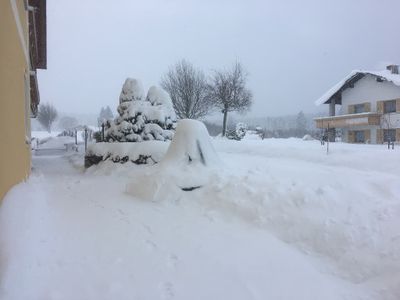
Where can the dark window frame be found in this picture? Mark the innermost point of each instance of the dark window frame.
(389, 106)
(359, 108)
(359, 136)
(389, 133)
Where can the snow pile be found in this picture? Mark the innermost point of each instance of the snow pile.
(148, 152)
(252, 135)
(188, 164)
(141, 119)
(308, 137)
(191, 146)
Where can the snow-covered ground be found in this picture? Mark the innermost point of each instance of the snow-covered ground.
(281, 220)
(40, 134)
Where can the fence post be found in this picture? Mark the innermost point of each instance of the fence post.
(327, 142)
(86, 138)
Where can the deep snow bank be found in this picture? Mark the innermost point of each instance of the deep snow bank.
(282, 220)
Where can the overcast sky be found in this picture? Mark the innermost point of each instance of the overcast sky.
(293, 50)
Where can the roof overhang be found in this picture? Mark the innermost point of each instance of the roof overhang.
(37, 47)
(335, 93)
(37, 34)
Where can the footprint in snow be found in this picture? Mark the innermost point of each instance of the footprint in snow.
(121, 212)
(167, 289)
(172, 261)
(151, 245)
(148, 228)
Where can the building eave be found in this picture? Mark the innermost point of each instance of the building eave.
(37, 47)
(349, 81)
(38, 34)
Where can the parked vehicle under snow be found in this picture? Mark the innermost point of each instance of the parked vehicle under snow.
(188, 164)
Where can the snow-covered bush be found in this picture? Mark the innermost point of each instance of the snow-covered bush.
(308, 137)
(239, 132)
(150, 152)
(241, 129)
(140, 118)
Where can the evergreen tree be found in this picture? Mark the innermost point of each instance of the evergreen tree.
(301, 124)
(150, 118)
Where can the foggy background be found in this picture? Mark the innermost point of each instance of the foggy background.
(293, 50)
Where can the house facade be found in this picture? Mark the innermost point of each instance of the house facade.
(22, 52)
(364, 107)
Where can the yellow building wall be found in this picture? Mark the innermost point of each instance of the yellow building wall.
(15, 154)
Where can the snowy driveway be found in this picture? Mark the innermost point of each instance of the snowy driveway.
(282, 221)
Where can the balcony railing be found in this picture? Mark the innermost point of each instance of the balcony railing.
(350, 120)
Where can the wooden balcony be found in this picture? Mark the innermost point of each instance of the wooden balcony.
(349, 121)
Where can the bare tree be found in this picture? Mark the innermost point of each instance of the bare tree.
(47, 115)
(67, 122)
(187, 87)
(228, 92)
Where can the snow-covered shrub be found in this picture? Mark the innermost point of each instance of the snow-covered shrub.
(238, 133)
(241, 129)
(141, 118)
(149, 152)
(308, 137)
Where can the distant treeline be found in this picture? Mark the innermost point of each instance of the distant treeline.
(275, 127)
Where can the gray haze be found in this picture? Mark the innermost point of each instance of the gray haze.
(293, 50)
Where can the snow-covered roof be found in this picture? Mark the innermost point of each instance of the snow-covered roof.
(354, 76)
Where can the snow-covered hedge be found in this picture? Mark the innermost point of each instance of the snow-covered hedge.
(140, 118)
(148, 152)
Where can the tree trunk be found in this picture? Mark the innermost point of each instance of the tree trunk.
(224, 122)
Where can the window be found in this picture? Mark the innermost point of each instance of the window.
(359, 108)
(359, 136)
(389, 106)
(389, 135)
